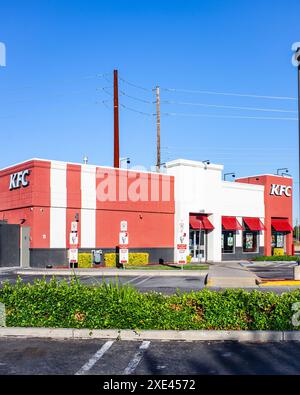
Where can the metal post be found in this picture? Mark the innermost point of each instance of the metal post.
(158, 129)
(299, 136)
(116, 121)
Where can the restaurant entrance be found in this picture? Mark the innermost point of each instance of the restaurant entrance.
(197, 245)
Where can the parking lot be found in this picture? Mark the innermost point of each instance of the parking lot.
(101, 357)
(144, 283)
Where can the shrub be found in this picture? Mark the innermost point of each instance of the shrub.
(85, 260)
(113, 306)
(111, 259)
(276, 258)
(188, 259)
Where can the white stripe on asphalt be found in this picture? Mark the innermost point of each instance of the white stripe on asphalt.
(143, 281)
(133, 279)
(95, 358)
(137, 358)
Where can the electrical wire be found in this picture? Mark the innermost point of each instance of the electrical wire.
(229, 94)
(134, 85)
(136, 98)
(134, 110)
(228, 106)
(229, 116)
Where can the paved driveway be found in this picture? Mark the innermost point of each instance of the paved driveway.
(94, 357)
(273, 270)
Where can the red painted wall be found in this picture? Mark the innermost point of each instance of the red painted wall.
(275, 206)
(150, 219)
(150, 222)
(29, 203)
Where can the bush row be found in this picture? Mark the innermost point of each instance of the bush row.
(107, 306)
(112, 259)
(276, 258)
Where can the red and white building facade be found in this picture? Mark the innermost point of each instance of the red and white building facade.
(188, 210)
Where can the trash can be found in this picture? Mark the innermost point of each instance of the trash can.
(97, 257)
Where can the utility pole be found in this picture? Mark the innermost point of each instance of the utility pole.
(158, 163)
(116, 122)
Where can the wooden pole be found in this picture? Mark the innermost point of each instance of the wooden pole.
(116, 122)
(158, 160)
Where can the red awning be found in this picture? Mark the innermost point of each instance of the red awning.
(231, 223)
(254, 223)
(200, 222)
(281, 225)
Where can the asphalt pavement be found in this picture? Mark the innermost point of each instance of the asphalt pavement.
(144, 283)
(273, 270)
(101, 357)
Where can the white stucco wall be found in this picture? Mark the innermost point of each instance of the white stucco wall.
(199, 189)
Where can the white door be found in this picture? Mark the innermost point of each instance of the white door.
(198, 245)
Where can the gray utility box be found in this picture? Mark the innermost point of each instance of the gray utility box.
(97, 257)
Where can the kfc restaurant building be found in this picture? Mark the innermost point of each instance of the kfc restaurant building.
(188, 210)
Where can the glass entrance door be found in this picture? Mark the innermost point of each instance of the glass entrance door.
(198, 245)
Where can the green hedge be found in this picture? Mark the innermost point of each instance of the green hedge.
(108, 306)
(85, 260)
(111, 259)
(276, 258)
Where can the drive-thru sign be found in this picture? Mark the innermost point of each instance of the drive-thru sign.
(123, 243)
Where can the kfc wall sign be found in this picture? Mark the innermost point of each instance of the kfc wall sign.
(18, 180)
(280, 190)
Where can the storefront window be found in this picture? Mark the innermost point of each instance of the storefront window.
(278, 240)
(228, 242)
(250, 243)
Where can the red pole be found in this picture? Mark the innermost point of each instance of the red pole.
(116, 121)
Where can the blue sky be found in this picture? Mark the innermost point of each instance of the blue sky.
(51, 91)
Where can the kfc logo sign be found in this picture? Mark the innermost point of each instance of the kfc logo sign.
(19, 179)
(279, 190)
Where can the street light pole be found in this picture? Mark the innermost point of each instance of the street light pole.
(296, 62)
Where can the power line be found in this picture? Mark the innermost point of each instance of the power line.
(229, 116)
(228, 106)
(134, 110)
(229, 94)
(136, 98)
(135, 86)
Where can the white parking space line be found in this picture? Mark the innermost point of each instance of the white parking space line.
(95, 358)
(133, 279)
(143, 281)
(137, 358)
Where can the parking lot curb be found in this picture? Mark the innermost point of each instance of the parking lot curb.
(164, 335)
(278, 283)
(114, 273)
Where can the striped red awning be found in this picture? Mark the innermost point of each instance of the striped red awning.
(200, 222)
(231, 223)
(281, 225)
(254, 223)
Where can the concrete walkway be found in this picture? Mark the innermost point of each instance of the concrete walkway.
(231, 275)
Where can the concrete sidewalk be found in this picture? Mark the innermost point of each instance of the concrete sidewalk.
(231, 275)
(164, 335)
